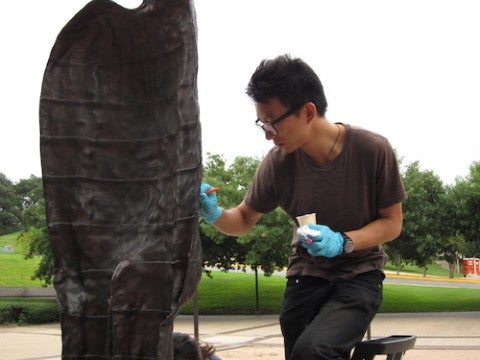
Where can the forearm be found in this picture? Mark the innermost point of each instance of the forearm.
(237, 221)
(373, 234)
(384, 229)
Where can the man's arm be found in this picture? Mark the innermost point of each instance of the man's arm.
(238, 220)
(387, 227)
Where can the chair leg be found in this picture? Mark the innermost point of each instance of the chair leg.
(396, 356)
(393, 346)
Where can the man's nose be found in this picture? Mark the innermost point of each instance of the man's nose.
(269, 135)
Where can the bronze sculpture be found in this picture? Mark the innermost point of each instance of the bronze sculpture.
(121, 163)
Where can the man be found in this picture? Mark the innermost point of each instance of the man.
(349, 178)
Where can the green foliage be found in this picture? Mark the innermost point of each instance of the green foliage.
(466, 194)
(422, 230)
(439, 220)
(267, 244)
(39, 244)
(28, 310)
(233, 181)
(10, 207)
(270, 241)
(224, 254)
(34, 237)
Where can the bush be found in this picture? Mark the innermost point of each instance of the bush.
(29, 311)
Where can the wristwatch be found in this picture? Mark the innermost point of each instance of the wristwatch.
(347, 244)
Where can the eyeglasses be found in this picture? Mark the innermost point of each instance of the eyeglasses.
(269, 128)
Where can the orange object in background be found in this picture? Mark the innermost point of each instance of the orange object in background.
(212, 190)
(471, 267)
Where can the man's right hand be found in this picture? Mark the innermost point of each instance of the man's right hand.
(209, 209)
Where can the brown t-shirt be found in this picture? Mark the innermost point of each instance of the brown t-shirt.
(346, 194)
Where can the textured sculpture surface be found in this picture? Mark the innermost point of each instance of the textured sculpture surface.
(121, 162)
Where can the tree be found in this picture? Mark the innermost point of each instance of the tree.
(452, 249)
(220, 249)
(268, 243)
(422, 235)
(394, 255)
(10, 207)
(452, 216)
(469, 221)
(34, 235)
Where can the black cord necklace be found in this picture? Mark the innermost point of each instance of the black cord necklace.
(335, 143)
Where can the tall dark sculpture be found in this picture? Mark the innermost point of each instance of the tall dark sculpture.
(121, 163)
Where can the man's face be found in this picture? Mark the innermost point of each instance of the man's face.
(281, 124)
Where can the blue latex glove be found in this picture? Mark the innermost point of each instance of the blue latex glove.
(209, 209)
(322, 241)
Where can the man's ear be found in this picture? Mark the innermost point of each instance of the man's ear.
(311, 111)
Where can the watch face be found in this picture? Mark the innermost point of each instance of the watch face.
(348, 246)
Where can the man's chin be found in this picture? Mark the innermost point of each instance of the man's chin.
(288, 150)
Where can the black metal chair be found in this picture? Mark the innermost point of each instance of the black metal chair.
(393, 346)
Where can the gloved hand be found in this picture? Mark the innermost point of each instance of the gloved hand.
(209, 209)
(320, 240)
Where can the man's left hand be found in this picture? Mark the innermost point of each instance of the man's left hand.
(325, 242)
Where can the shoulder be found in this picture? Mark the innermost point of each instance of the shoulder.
(365, 136)
(277, 158)
(276, 164)
(363, 141)
(276, 155)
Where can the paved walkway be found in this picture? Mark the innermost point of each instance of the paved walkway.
(443, 336)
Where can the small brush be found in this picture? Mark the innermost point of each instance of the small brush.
(212, 190)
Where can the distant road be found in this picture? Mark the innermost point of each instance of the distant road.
(432, 281)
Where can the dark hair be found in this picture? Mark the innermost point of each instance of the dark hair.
(289, 80)
(186, 348)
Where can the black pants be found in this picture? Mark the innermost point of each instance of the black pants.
(323, 319)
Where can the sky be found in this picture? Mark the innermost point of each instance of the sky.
(407, 69)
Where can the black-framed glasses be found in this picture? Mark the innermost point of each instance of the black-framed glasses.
(269, 127)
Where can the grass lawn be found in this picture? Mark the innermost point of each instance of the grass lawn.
(9, 239)
(408, 298)
(432, 270)
(233, 293)
(15, 270)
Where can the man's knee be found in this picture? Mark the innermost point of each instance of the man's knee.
(308, 347)
(303, 348)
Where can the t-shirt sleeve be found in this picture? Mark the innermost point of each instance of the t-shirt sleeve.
(390, 185)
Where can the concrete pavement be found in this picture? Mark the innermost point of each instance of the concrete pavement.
(441, 336)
